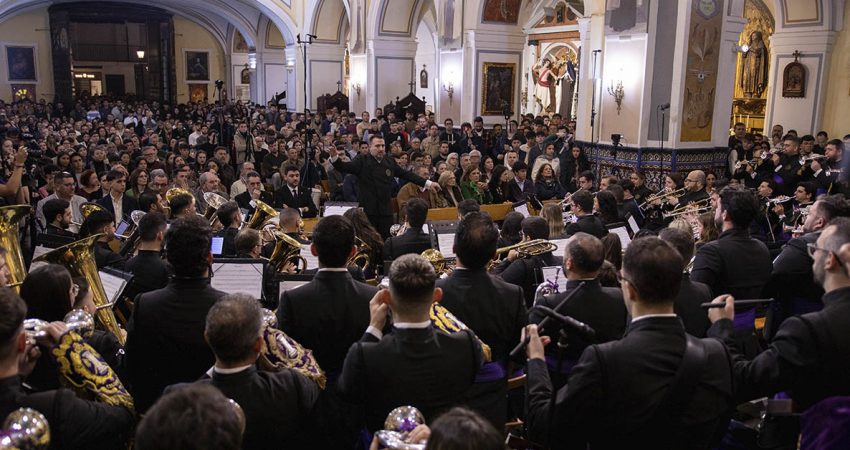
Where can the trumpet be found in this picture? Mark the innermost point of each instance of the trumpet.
(810, 158)
(76, 320)
(397, 425)
(129, 246)
(704, 204)
(661, 194)
(780, 199)
(752, 162)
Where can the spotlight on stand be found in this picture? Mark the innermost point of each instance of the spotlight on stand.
(219, 84)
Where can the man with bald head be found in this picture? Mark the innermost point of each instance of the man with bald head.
(694, 189)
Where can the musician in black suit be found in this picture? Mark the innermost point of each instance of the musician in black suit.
(148, 269)
(253, 192)
(230, 217)
(694, 190)
(416, 364)
(414, 240)
(527, 272)
(582, 206)
(488, 305)
(329, 313)
(57, 214)
(631, 393)
(116, 198)
(691, 293)
(103, 223)
(735, 263)
(165, 335)
(291, 195)
(375, 174)
(827, 170)
(70, 418)
(520, 187)
(808, 357)
(277, 405)
(601, 308)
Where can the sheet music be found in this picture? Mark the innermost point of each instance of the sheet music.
(335, 210)
(312, 261)
(38, 251)
(446, 243)
(623, 233)
(113, 286)
(522, 209)
(562, 244)
(290, 285)
(236, 277)
(549, 274)
(633, 224)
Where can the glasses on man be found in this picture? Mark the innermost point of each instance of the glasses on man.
(813, 248)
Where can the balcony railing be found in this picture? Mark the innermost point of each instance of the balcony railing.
(104, 52)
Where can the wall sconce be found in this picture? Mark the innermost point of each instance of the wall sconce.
(450, 89)
(357, 88)
(140, 54)
(618, 93)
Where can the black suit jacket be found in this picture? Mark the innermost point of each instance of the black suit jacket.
(165, 338)
(687, 306)
(283, 196)
(74, 423)
(489, 306)
(374, 181)
(128, 205)
(278, 405)
(412, 241)
(244, 200)
(228, 245)
(792, 282)
(105, 257)
(54, 237)
(327, 315)
(615, 389)
(421, 367)
(149, 272)
(515, 194)
(733, 264)
(809, 357)
(527, 272)
(600, 307)
(589, 224)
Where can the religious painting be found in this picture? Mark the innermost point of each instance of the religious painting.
(501, 11)
(497, 89)
(558, 65)
(21, 63)
(423, 78)
(197, 65)
(701, 70)
(626, 16)
(198, 92)
(239, 44)
(245, 76)
(23, 92)
(794, 79)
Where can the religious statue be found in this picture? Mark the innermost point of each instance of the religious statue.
(546, 78)
(755, 67)
(423, 78)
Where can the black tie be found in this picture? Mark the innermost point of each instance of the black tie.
(295, 193)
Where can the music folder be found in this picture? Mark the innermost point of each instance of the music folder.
(337, 208)
(114, 282)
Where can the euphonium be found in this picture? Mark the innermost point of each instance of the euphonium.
(89, 207)
(362, 254)
(76, 320)
(214, 201)
(174, 192)
(10, 217)
(262, 213)
(25, 429)
(286, 249)
(78, 258)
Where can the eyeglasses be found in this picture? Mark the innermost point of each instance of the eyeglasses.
(621, 277)
(813, 248)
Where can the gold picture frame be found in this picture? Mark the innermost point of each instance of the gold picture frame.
(498, 85)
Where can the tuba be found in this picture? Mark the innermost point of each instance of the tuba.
(286, 249)
(78, 258)
(262, 214)
(214, 201)
(25, 429)
(10, 218)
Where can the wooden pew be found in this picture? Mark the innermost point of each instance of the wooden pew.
(497, 212)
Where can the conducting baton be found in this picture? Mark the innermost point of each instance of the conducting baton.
(755, 301)
(521, 346)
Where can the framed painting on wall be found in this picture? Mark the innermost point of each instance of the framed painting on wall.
(20, 61)
(497, 89)
(197, 92)
(197, 65)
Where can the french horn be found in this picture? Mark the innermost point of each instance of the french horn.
(10, 218)
(25, 429)
(78, 258)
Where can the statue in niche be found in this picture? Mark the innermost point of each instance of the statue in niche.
(245, 76)
(755, 67)
(547, 76)
(423, 78)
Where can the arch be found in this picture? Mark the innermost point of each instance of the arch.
(322, 17)
(381, 10)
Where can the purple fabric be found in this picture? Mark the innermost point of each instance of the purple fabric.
(826, 425)
(566, 365)
(745, 320)
(491, 371)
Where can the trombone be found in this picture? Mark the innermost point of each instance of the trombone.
(661, 194)
(699, 206)
(525, 249)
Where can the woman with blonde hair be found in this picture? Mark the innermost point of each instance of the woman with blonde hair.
(555, 218)
(451, 191)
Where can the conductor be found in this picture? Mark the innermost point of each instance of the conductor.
(375, 174)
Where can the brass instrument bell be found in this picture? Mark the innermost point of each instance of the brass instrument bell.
(174, 192)
(10, 218)
(286, 249)
(214, 201)
(76, 320)
(86, 209)
(440, 263)
(262, 214)
(361, 256)
(25, 429)
(399, 423)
